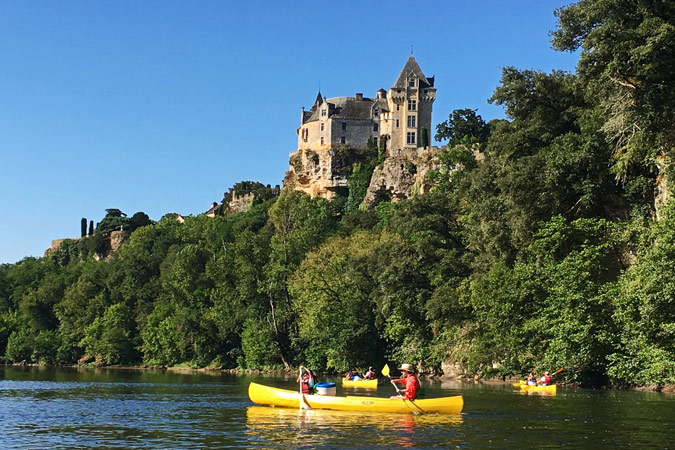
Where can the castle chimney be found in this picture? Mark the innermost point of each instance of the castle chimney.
(381, 93)
(359, 96)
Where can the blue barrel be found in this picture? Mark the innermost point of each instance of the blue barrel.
(325, 388)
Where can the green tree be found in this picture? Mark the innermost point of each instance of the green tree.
(114, 220)
(462, 123)
(111, 337)
(331, 294)
(627, 62)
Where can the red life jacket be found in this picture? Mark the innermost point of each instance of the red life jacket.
(304, 383)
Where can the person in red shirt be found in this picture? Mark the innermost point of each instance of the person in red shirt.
(412, 384)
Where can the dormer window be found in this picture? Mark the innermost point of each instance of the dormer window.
(323, 113)
(411, 82)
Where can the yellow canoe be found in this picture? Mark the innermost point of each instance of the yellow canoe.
(551, 388)
(266, 395)
(370, 384)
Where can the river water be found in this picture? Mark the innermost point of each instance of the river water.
(114, 408)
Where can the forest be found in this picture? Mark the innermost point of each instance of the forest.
(547, 241)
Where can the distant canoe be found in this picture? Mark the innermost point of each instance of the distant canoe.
(266, 395)
(550, 388)
(370, 384)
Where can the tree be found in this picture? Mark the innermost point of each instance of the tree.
(140, 219)
(627, 63)
(111, 337)
(462, 123)
(331, 294)
(83, 227)
(113, 221)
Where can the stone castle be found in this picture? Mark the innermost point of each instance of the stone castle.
(398, 121)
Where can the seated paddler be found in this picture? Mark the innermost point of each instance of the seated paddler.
(412, 384)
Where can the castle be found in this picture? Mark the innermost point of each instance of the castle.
(397, 121)
(394, 118)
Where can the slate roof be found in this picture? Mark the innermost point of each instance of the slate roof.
(351, 108)
(411, 66)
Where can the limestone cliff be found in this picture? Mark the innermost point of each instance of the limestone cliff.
(402, 174)
(324, 173)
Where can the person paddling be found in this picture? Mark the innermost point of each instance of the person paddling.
(306, 380)
(412, 384)
(531, 379)
(370, 374)
(545, 380)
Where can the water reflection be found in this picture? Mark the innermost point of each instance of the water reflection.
(317, 427)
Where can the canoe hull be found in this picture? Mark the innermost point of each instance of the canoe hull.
(551, 388)
(266, 395)
(370, 384)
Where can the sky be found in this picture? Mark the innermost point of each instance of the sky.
(161, 106)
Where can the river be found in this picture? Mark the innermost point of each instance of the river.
(114, 408)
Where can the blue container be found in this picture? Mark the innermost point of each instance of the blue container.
(325, 388)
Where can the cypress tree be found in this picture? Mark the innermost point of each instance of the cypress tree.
(91, 228)
(83, 227)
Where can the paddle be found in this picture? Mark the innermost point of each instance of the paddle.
(303, 400)
(385, 372)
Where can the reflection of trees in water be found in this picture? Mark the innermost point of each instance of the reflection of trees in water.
(294, 427)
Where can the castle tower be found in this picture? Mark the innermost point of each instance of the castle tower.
(410, 102)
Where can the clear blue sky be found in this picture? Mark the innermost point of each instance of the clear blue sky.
(161, 106)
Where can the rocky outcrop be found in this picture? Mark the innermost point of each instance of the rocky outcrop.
(322, 173)
(402, 174)
(117, 238)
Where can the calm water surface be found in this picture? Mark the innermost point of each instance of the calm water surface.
(111, 408)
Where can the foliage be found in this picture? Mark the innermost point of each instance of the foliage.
(526, 254)
(111, 336)
(462, 124)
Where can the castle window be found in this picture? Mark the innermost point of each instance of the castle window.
(375, 141)
(321, 140)
(411, 82)
(323, 113)
(398, 107)
(411, 138)
(412, 105)
(376, 112)
(412, 121)
(375, 127)
(343, 140)
(344, 125)
(396, 123)
(322, 127)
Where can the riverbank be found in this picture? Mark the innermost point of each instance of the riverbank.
(504, 381)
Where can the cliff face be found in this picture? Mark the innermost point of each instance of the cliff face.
(324, 173)
(320, 173)
(402, 174)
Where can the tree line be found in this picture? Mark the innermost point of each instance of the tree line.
(547, 242)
